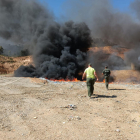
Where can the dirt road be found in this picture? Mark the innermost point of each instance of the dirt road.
(62, 111)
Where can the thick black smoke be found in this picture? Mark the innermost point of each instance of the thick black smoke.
(58, 49)
(58, 52)
(20, 20)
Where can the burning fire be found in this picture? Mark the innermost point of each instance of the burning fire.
(72, 80)
(64, 80)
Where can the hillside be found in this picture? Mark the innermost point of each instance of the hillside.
(10, 64)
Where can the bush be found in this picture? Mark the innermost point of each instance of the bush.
(24, 52)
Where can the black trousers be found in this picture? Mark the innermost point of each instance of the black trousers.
(106, 81)
(90, 86)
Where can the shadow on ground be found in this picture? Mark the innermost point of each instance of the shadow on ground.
(117, 89)
(103, 96)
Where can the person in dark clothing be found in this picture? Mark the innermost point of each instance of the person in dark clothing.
(106, 72)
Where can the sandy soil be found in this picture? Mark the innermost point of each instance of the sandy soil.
(34, 110)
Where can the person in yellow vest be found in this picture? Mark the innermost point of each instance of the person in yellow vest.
(90, 75)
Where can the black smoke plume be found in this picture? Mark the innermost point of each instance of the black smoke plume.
(58, 52)
(58, 49)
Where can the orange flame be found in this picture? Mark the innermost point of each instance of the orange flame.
(101, 81)
(64, 80)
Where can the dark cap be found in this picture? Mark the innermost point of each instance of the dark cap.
(106, 66)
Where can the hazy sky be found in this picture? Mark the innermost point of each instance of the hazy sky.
(55, 6)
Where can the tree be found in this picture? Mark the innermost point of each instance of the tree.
(1, 49)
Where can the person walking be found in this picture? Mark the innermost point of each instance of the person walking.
(90, 75)
(106, 72)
